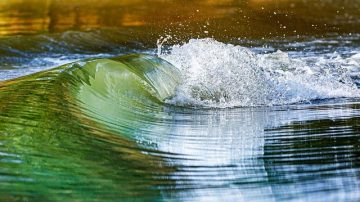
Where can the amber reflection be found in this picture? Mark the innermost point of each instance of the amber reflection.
(230, 17)
(28, 16)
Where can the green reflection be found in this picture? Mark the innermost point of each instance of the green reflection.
(50, 150)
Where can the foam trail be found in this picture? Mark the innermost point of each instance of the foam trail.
(224, 75)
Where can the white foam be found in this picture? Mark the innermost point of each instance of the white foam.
(223, 75)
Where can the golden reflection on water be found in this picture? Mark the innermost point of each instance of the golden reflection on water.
(31, 16)
(213, 17)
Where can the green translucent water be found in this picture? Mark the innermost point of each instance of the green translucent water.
(98, 130)
(87, 111)
(47, 149)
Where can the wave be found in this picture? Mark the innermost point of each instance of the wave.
(208, 73)
(132, 94)
(215, 74)
(120, 91)
(69, 131)
(114, 126)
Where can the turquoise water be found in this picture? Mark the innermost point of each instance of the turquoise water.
(144, 110)
(107, 129)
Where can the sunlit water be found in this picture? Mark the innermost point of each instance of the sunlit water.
(182, 104)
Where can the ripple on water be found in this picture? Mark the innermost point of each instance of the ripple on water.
(99, 130)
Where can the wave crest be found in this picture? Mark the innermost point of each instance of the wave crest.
(224, 75)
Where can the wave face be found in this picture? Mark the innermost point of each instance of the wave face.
(225, 75)
(66, 132)
(127, 77)
(120, 91)
(112, 129)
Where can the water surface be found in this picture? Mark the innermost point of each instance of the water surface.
(189, 101)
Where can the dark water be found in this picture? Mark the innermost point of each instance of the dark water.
(224, 118)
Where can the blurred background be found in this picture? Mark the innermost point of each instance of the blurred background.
(147, 20)
(39, 34)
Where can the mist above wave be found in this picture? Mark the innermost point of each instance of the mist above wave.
(215, 74)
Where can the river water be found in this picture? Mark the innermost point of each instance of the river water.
(179, 100)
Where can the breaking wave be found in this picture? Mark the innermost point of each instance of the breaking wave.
(215, 74)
